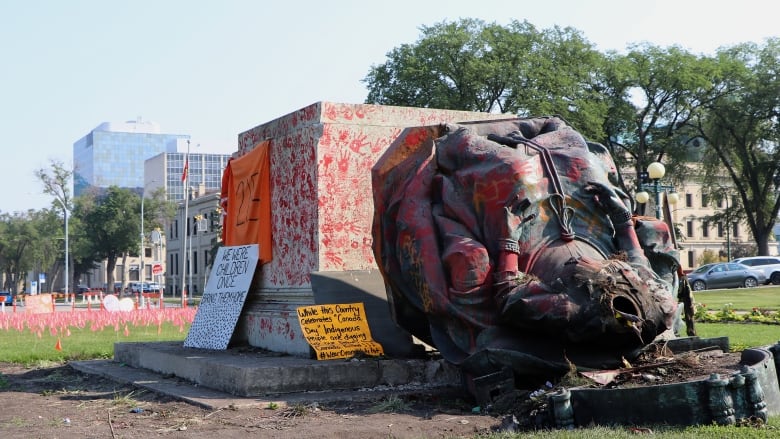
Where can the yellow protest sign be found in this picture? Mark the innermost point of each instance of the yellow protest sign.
(337, 330)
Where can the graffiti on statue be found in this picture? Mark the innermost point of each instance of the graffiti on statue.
(512, 244)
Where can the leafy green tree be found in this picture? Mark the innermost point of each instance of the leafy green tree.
(111, 224)
(17, 236)
(158, 211)
(654, 94)
(742, 134)
(46, 251)
(708, 257)
(31, 242)
(475, 66)
(56, 182)
(83, 259)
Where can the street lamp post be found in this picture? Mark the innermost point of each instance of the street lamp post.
(142, 252)
(655, 172)
(728, 229)
(67, 255)
(185, 223)
(190, 287)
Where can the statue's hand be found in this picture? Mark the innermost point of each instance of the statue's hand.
(512, 226)
(607, 198)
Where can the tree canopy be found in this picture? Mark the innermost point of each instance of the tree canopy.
(648, 104)
(742, 132)
(477, 66)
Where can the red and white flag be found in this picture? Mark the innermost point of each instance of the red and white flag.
(186, 168)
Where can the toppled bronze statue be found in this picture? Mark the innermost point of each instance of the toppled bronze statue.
(510, 244)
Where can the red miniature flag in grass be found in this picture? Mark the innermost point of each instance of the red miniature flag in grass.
(58, 346)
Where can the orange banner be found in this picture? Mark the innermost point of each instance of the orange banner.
(246, 201)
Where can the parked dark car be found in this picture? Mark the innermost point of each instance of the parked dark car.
(6, 297)
(724, 275)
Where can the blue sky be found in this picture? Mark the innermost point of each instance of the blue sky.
(214, 69)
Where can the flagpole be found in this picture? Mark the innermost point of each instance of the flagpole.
(186, 181)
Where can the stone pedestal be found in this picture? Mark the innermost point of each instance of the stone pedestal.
(322, 211)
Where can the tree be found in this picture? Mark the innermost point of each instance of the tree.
(56, 182)
(46, 252)
(742, 134)
(655, 93)
(708, 257)
(474, 66)
(112, 220)
(17, 236)
(158, 211)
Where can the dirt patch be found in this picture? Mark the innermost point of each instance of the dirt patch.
(58, 401)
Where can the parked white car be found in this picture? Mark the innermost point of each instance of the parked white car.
(768, 265)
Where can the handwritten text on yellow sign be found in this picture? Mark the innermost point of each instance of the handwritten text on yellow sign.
(337, 330)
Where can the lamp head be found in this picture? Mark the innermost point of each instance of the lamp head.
(642, 197)
(656, 170)
(672, 198)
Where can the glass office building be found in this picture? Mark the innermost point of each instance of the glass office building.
(205, 173)
(113, 154)
(136, 155)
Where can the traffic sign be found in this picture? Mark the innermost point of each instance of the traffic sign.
(157, 269)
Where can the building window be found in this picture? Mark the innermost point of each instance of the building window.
(735, 230)
(720, 229)
(704, 200)
(690, 258)
(705, 229)
(689, 229)
(688, 200)
(194, 262)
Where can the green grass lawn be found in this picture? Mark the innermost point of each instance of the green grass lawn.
(741, 335)
(28, 348)
(741, 299)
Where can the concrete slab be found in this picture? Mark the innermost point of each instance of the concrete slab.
(250, 377)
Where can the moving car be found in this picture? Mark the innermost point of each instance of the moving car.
(768, 265)
(724, 275)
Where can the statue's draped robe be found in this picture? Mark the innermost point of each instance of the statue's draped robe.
(440, 216)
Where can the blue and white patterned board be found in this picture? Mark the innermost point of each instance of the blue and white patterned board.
(223, 298)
